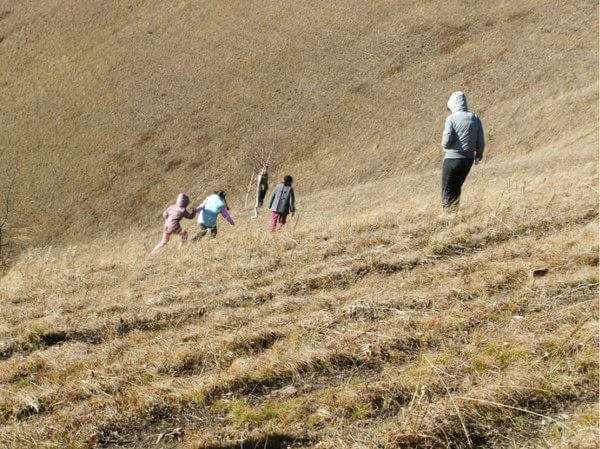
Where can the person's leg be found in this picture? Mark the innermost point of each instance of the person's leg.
(447, 191)
(213, 232)
(463, 169)
(454, 173)
(261, 198)
(273, 222)
(202, 233)
(282, 221)
(163, 242)
(184, 236)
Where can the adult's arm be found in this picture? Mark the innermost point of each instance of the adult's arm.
(449, 134)
(480, 145)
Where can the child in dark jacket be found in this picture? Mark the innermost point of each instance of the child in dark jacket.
(282, 202)
(173, 216)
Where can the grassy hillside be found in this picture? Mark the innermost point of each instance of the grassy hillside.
(388, 327)
(112, 108)
(370, 321)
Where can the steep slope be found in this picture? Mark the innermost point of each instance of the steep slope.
(370, 321)
(112, 108)
(356, 327)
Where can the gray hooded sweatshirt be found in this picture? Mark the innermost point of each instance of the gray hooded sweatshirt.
(463, 132)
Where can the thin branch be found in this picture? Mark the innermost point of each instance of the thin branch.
(376, 334)
(484, 401)
(249, 188)
(509, 228)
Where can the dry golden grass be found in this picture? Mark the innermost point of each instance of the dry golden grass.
(370, 321)
(395, 328)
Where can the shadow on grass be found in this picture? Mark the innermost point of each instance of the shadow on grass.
(275, 441)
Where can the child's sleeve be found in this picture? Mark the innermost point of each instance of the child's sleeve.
(292, 201)
(201, 207)
(227, 216)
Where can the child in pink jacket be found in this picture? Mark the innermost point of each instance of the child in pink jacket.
(173, 215)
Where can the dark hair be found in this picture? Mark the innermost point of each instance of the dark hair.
(221, 194)
(288, 179)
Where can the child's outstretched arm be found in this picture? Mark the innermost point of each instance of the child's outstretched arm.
(227, 216)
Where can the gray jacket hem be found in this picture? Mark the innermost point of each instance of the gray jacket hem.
(453, 154)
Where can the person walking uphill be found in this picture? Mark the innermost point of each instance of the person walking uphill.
(463, 143)
(173, 216)
(211, 207)
(262, 186)
(281, 203)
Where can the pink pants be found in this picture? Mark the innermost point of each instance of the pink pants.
(277, 221)
(167, 236)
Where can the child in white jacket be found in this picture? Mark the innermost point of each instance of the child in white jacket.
(209, 210)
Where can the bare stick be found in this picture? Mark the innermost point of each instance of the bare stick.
(249, 188)
(510, 407)
(507, 226)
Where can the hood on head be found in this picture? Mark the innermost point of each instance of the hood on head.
(182, 200)
(457, 102)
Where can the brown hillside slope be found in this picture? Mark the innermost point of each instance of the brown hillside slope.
(373, 325)
(370, 321)
(111, 108)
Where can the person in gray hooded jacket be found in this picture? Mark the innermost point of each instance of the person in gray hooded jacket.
(463, 143)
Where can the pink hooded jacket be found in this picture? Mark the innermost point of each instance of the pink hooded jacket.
(176, 212)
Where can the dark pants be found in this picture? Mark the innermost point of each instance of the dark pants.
(454, 173)
(203, 231)
(260, 197)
